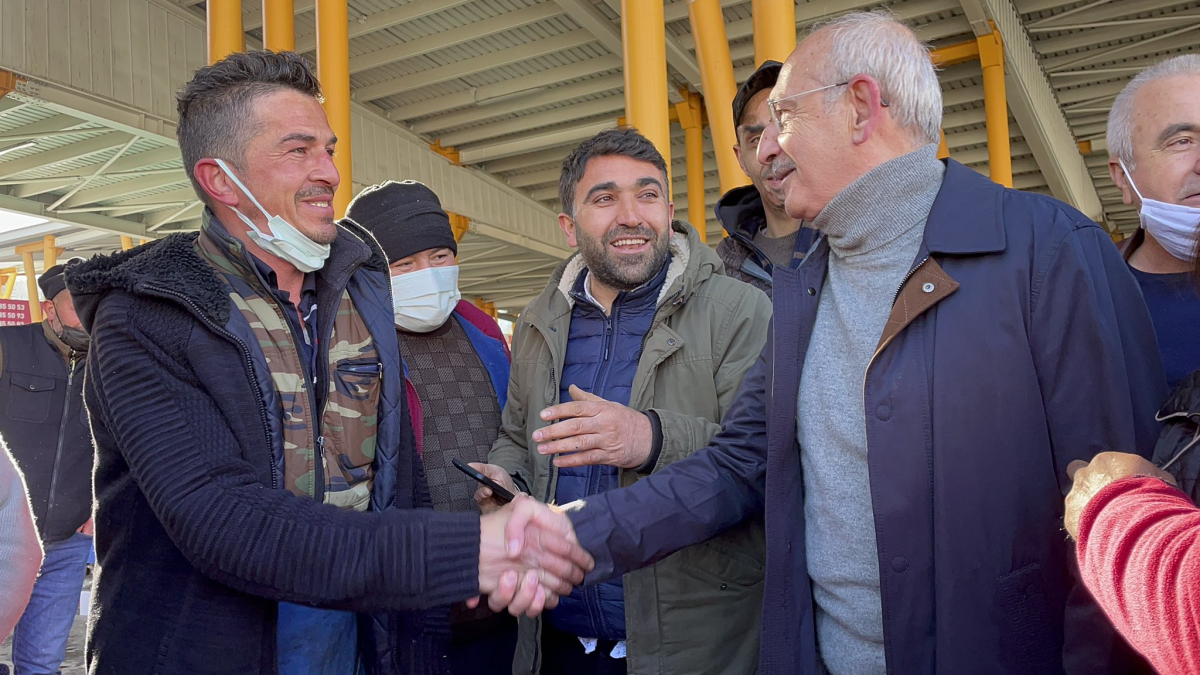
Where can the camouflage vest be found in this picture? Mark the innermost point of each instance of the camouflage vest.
(349, 417)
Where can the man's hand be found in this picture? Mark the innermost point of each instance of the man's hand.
(1105, 468)
(483, 494)
(597, 431)
(528, 557)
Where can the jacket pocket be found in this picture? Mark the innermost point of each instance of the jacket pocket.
(351, 414)
(1027, 634)
(30, 397)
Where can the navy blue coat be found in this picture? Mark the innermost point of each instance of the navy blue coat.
(1018, 343)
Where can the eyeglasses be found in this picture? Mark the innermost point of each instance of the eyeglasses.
(776, 114)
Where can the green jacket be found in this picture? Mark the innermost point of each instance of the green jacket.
(697, 611)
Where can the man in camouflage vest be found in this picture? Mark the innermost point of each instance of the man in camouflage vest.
(261, 505)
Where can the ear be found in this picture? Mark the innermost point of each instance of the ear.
(671, 216)
(567, 224)
(737, 152)
(866, 108)
(1118, 176)
(216, 183)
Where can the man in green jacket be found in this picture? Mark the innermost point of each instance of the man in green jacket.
(624, 364)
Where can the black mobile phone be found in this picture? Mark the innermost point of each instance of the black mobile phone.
(498, 492)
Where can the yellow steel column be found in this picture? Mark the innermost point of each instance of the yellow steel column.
(690, 112)
(716, 74)
(126, 243)
(35, 310)
(49, 252)
(333, 69)
(943, 147)
(995, 107)
(459, 225)
(10, 281)
(644, 43)
(774, 29)
(279, 25)
(225, 35)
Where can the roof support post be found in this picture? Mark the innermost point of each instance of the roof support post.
(716, 72)
(995, 107)
(279, 25)
(333, 69)
(644, 47)
(691, 118)
(774, 29)
(225, 34)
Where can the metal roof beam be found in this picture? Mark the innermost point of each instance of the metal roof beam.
(473, 65)
(547, 139)
(454, 36)
(383, 20)
(526, 84)
(1180, 38)
(521, 162)
(1032, 103)
(556, 95)
(179, 196)
(678, 56)
(89, 220)
(525, 180)
(120, 189)
(608, 105)
(66, 153)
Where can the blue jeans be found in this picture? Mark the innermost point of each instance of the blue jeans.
(40, 638)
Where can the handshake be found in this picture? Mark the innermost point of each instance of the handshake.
(528, 553)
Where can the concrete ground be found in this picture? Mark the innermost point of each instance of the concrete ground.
(73, 665)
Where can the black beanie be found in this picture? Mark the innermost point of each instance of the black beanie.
(52, 282)
(406, 217)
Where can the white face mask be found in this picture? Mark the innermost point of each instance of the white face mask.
(1172, 225)
(282, 239)
(423, 300)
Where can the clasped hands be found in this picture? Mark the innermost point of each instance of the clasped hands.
(529, 555)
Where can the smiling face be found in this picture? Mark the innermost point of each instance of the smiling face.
(621, 222)
(766, 172)
(288, 165)
(1166, 142)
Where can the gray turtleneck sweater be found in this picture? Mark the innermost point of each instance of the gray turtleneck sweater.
(874, 228)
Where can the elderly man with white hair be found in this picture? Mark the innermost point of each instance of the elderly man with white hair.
(946, 348)
(1154, 147)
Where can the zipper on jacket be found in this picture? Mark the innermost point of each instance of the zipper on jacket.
(247, 358)
(62, 432)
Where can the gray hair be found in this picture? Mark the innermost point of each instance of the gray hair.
(1120, 117)
(877, 44)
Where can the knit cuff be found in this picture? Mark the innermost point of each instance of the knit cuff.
(451, 557)
(656, 444)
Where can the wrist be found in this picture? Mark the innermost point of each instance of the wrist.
(655, 442)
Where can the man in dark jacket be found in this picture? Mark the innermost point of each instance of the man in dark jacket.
(256, 479)
(624, 364)
(43, 421)
(762, 236)
(456, 363)
(947, 348)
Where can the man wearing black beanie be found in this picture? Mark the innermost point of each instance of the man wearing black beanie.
(44, 424)
(457, 364)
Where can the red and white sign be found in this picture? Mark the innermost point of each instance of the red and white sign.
(14, 312)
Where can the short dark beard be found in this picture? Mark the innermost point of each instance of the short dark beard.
(623, 275)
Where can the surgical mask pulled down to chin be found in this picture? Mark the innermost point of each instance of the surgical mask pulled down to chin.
(281, 239)
(1173, 225)
(423, 300)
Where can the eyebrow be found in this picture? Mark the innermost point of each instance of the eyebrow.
(753, 128)
(303, 138)
(1174, 129)
(643, 182)
(602, 187)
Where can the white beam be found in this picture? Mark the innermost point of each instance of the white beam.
(177, 196)
(521, 162)
(600, 106)
(535, 178)
(1032, 102)
(64, 153)
(1177, 39)
(526, 85)
(89, 220)
(536, 142)
(120, 189)
(385, 19)
(454, 36)
(556, 249)
(473, 65)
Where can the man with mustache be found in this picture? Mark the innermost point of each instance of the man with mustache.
(261, 507)
(937, 360)
(625, 364)
(762, 236)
